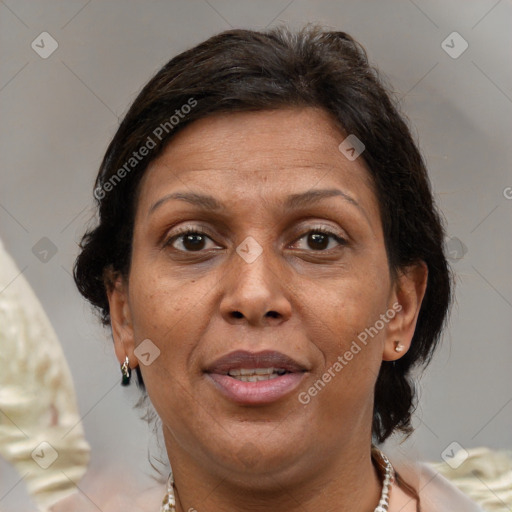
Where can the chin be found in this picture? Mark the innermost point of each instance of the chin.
(256, 451)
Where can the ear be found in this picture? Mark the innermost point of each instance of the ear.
(120, 318)
(405, 300)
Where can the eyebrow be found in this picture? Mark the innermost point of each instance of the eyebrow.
(313, 196)
(207, 202)
(202, 201)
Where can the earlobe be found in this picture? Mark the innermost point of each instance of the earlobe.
(407, 298)
(120, 320)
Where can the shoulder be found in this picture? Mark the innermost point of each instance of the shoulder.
(436, 493)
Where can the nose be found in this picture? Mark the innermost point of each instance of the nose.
(256, 292)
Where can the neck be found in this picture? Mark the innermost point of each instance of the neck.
(346, 481)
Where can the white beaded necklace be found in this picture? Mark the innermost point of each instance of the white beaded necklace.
(169, 501)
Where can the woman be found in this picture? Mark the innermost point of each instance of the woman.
(270, 260)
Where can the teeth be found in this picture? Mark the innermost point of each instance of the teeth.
(264, 371)
(256, 374)
(256, 378)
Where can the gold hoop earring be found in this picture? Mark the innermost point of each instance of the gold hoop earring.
(126, 372)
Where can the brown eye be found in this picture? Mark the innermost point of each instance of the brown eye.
(189, 240)
(319, 239)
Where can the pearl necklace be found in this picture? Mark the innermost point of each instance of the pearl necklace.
(169, 501)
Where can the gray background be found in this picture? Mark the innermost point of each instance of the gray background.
(58, 115)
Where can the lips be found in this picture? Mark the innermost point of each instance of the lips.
(251, 360)
(249, 378)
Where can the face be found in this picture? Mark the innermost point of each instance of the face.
(282, 268)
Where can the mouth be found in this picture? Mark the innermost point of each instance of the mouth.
(248, 378)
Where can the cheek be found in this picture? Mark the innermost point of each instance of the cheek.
(349, 306)
(172, 314)
(349, 335)
(169, 315)
(341, 390)
(163, 306)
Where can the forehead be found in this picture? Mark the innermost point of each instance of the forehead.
(264, 154)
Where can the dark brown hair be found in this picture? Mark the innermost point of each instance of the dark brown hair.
(244, 70)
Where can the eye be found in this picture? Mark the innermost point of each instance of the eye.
(190, 239)
(318, 239)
